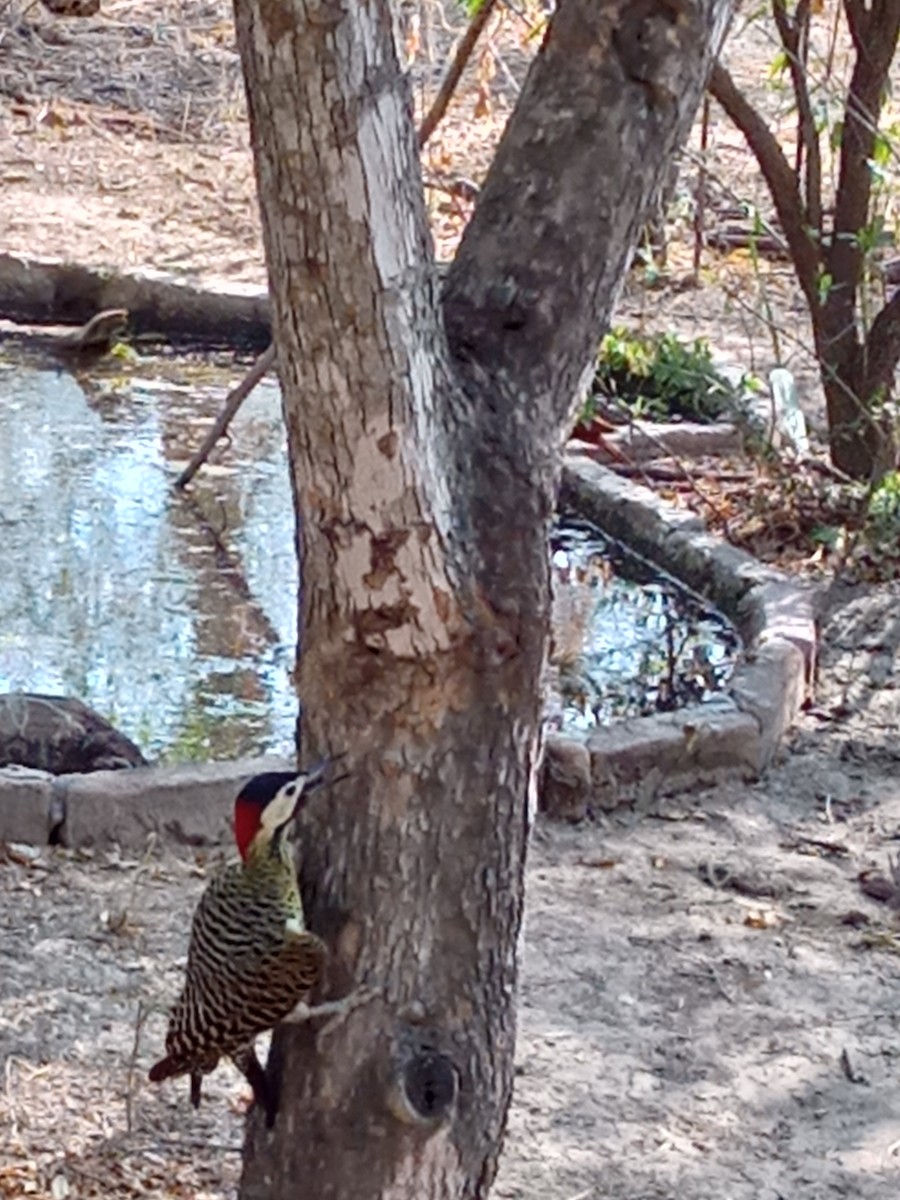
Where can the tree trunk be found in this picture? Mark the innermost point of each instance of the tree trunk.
(424, 442)
(858, 396)
(856, 367)
(860, 430)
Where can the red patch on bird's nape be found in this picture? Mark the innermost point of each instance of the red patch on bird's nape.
(254, 798)
(247, 819)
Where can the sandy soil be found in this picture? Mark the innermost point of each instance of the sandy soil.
(709, 999)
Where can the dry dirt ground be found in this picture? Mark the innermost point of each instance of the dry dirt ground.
(710, 1002)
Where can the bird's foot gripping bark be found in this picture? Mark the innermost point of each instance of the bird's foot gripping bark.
(249, 1065)
(332, 1009)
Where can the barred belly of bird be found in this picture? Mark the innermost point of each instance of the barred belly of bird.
(250, 958)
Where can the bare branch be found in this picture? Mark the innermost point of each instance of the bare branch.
(780, 178)
(700, 205)
(435, 114)
(793, 34)
(233, 402)
(139, 1019)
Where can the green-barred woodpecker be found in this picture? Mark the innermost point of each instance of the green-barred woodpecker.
(250, 959)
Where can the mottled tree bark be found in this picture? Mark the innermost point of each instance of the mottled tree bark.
(424, 439)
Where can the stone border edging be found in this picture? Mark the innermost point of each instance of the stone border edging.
(631, 762)
(639, 441)
(190, 804)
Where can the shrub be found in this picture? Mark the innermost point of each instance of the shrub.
(658, 377)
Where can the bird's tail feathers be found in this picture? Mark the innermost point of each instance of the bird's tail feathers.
(166, 1068)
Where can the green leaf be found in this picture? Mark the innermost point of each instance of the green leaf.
(779, 65)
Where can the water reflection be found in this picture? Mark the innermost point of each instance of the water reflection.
(174, 617)
(628, 639)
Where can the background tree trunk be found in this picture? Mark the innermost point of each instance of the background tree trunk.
(857, 365)
(424, 467)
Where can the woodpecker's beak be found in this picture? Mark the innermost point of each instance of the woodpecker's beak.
(321, 773)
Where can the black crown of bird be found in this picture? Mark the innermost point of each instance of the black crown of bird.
(250, 958)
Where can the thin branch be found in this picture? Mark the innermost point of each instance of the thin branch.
(780, 178)
(233, 402)
(794, 36)
(773, 241)
(700, 205)
(686, 474)
(435, 114)
(801, 25)
(140, 1018)
(833, 34)
(827, 371)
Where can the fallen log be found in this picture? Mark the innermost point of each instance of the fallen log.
(161, 307)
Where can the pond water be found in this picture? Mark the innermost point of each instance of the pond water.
(172, 615)
(628, 639)
(175, 615)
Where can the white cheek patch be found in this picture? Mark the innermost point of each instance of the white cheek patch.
(281, 809)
